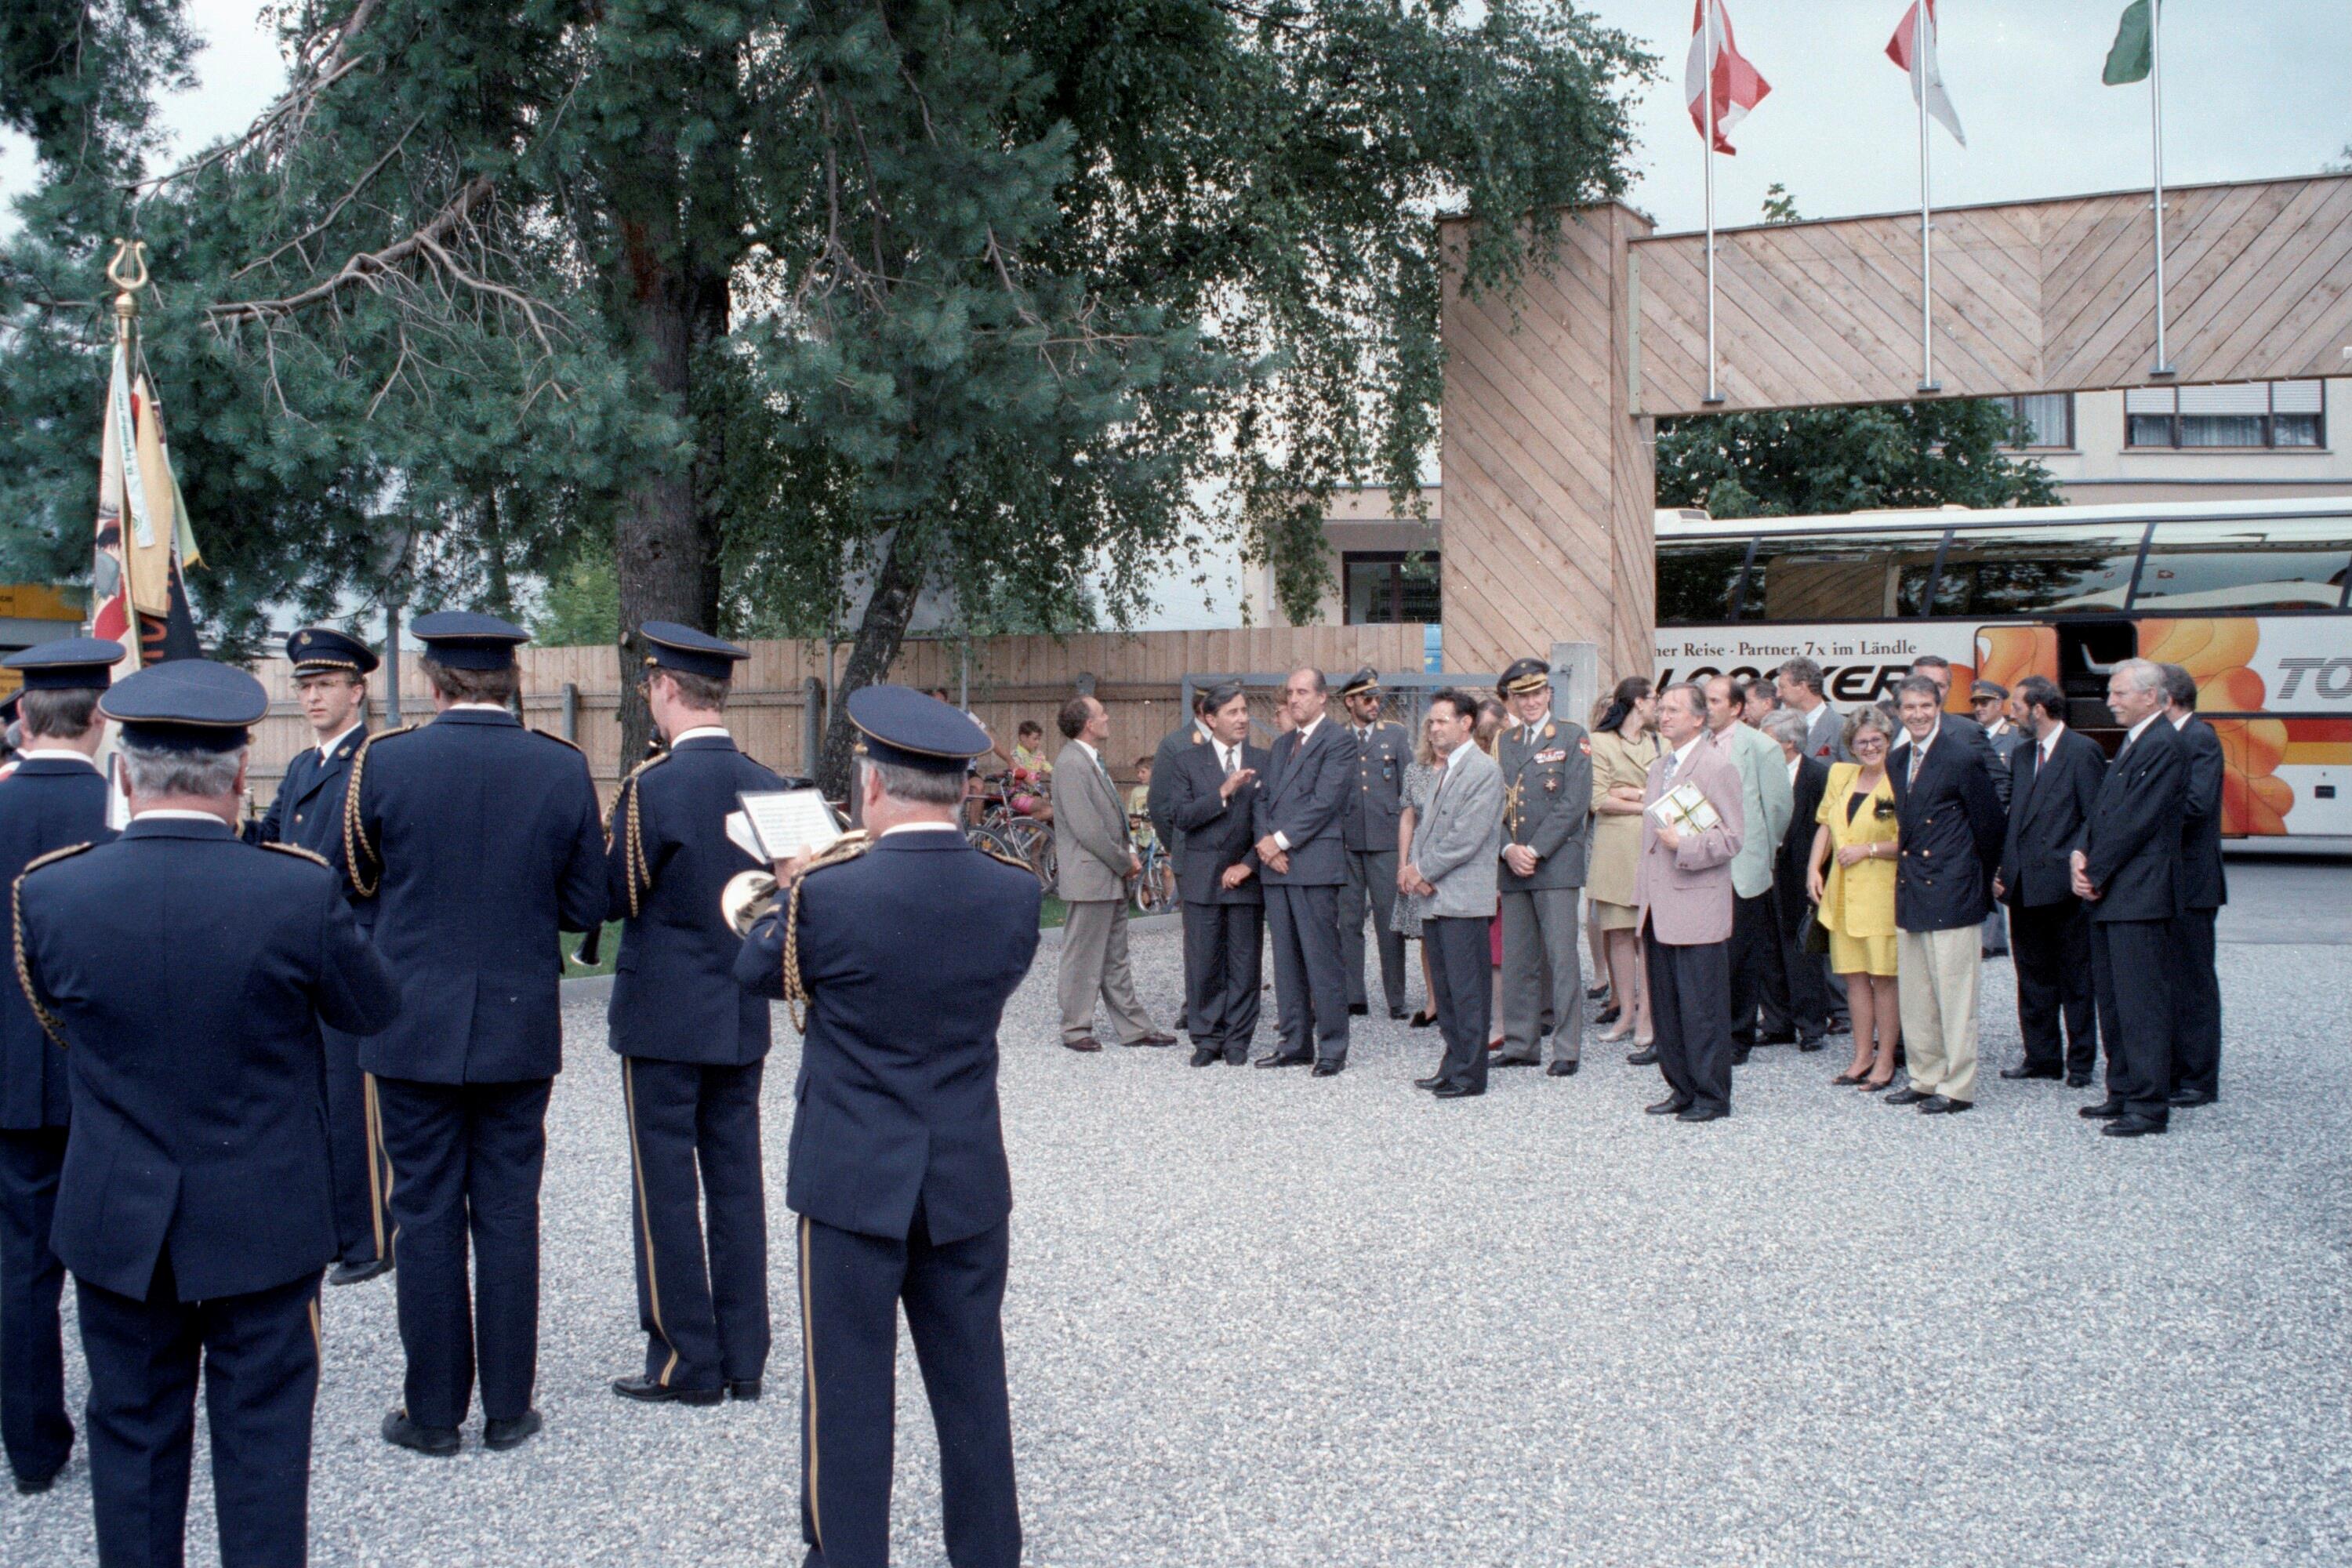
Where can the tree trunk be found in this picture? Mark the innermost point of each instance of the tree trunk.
(880, 632)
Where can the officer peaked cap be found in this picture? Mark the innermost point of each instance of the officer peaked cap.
(315, 650)
(463, 639)
(1524, 676)
(669, 646)
(910, 729)
(186, 704)
(68, 664)
(1365, 680)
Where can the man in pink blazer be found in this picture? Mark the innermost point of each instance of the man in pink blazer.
(1683, 893)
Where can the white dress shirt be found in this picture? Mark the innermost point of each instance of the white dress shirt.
(327, 748)
(56, 755)
(702, 731)
(913, 827)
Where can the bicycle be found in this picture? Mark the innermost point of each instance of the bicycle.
(1151, 892)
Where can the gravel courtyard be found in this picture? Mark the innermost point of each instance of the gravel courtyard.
(1259, 1320)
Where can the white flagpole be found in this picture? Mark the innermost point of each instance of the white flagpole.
(1927, 266)
(2163, 366)
(1706, 59)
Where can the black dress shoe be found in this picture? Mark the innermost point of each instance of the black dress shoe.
(1944, 1105)
(1607, 1015)
(2190, 1099)
(399, 1431)
(2132, 1127)
(1739, 1056)
(1778, 1038)
(1328, 1069)
(33, 1486)
(1673, 1105)
(1703, 1113)
(2107, 1109)
(1595, 992)
(1434, 1081)
(1504, 1061)
(1809, 1042)
(1422, 1020)
(358, 1273)
(1456, 1091)
(1283, 1059)
(1154, 1039)
(646, 1390)
(2078, 1080)
(744, 1388)
(1237, 1057)
(510, 1431)
(1560, 1068)
(1203, 1056)
(1359, 1009)
(1647, 1056)
(2026, 1070)
(1906, 1095)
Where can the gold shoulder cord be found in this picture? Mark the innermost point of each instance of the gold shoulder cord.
(310, 855)
(628, 821)
(848, 846)
(49, 1024)
(355, 837)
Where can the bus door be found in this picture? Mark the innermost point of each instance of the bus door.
(2088, 651)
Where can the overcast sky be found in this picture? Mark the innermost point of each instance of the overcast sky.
(2253, 89)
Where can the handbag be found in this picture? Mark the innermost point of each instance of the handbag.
(1817, 935)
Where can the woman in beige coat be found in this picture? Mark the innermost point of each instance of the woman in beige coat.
(1624, 747)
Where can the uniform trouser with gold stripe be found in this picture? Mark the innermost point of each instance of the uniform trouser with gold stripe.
(705, 1322)
(356, 1154)
(852, 1287)
(260, 1356)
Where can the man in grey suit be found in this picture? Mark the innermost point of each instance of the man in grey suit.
(1546, 765)
(1456, 849)
(1800, 683)
(1095, 858)
(1302, 862)
(1368, 824)
(1212, 788)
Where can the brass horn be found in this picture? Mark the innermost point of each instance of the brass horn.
(747, 896)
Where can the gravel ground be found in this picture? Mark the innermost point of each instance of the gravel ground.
(1257, 1319)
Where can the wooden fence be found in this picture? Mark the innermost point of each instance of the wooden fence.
(575, 691)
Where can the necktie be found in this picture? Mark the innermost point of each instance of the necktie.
(1918, 755)
(1673, 760)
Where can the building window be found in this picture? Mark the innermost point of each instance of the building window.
(2048, 418)
(2282, 416)
(1385, 587)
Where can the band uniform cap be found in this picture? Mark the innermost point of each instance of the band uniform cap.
(1984, 690)
(315, 650)
(670, 645)
(186, 704)
(910, 729)
(1365, 680)
(68, 664)
(464, 639)
(1525, 675)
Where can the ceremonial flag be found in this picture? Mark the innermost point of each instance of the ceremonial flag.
(1718, 83)
(2137, 55)
(1913, 47)
(139, 592)
(2132, 56)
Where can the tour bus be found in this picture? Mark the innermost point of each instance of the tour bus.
(33, 612)
(2249, 596)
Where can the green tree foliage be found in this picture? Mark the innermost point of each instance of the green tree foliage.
(1800, 462)
(799, 308)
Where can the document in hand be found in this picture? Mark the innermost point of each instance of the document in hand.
(782, 824)
(1684, 809)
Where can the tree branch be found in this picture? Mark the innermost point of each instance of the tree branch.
(365, 268)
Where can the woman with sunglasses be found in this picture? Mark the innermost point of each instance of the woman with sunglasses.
(1853, 879)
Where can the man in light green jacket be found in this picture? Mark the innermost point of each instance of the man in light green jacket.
(1765, 795)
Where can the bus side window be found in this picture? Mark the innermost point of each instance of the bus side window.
(1696, 579)
(1840, 576)
(2260, 563)
(1995, 573)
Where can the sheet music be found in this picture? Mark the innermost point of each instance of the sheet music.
(787, 823)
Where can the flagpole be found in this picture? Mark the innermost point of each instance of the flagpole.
(2163, 366)
(1927, 265)
(1706, 59)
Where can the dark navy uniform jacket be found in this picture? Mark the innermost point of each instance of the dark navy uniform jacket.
(1368, 822)
(674, 992)
(189, 974)
(488, 844)
(307, 809)
(909, 954)
(46, 804)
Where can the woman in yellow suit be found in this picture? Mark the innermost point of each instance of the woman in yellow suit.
(1853, 881)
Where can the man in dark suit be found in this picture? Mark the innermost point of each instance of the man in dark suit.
(1302, 862)
(330, 673)
(54, 797)
(2055, 783)
(897, 1166)
(2204, 888)
(480, 841)
(1158, 798)
(2127, 866)
(1213, 789)
(1368, 825)
(188, 975)
(1950, 824)
(692, 1043)
(1795, 1001)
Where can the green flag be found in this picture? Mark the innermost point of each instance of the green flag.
(2128, 58)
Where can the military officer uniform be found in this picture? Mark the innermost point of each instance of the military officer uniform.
(692, 1043)
(1368, 825)
(55, 796)
(898, 1168)
(1547, 807)
(479, 840)
(307, 810)
(187, 976)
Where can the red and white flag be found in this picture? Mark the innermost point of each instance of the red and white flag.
(1717, 68)
(1926, 74)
